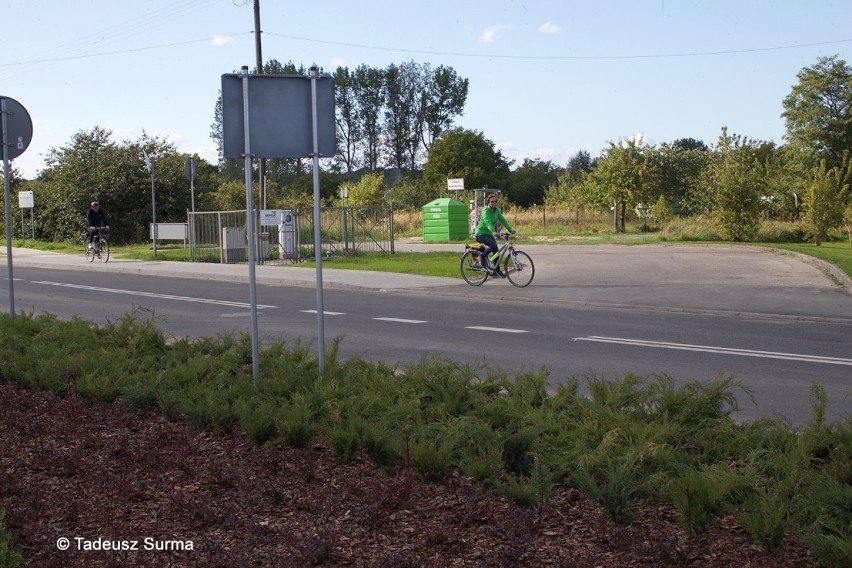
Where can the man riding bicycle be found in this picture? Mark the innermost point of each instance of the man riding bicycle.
(95, 218)
(487, 231)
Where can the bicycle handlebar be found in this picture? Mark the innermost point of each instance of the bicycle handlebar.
(104, 228)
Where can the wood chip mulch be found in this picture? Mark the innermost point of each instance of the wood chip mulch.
(105, 478)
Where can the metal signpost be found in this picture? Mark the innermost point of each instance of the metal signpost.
(149, 165)
(16, 133)
(279, 116)
(27, 201)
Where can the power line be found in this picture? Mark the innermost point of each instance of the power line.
(129, 50)
(565, 57)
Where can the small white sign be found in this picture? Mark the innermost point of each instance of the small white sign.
(271, 216)
(455, 183)
(26, 200)
(344, 192)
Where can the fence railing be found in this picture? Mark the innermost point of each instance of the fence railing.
(222, 236)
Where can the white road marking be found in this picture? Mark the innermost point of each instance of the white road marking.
(400, 320)
(152, 295)
(324, 312)
(497, 329)
(722, 350)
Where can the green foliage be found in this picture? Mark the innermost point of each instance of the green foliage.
(699, 495)
(625, 176)
(530, 181)
(827, 506)
(95, 168)
(817, 112)
(739, 182)
(626, 439)
(467, 154)
(370, 190)
(765, 517)
(10, 557)
(825, 199)
(411, 194)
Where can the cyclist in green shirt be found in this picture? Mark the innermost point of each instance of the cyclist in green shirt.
(487, 231)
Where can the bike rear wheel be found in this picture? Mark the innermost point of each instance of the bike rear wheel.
(519, 269)
(472, 272)
(104, 252)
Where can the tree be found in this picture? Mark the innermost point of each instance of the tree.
(738, 181)
(411, 193)
(530, 182)
(369, 190)
(461, 153)
(445, 97)
(817, 112)
(625, 176)
(680, 165)
(94, 168)
(371, 93)
(348, 120)
(404, 86)
(825, 199)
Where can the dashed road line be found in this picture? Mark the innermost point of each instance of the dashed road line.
(496, 329)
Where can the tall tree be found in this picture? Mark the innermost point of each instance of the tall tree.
(461, 153)
(348, 119)
(445, 96)
(404, 84)
(530, 182)
(371, 93)
(817, 112)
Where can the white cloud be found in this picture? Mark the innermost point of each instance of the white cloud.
(221, 40)
(549, 28)
(337, 62)
(491, 33)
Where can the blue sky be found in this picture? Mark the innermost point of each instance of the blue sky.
(547, 77)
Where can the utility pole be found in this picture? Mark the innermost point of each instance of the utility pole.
(261, 171)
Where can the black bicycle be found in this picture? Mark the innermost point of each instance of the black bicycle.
(99, 247)
(516, 265)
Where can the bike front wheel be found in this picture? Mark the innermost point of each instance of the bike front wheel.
(471, 270)
(103, 254)
(90, 253)
(519, 269)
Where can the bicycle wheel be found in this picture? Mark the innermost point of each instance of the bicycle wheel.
(104, 252)
(90, 253)
(519, 269)
(472, 272)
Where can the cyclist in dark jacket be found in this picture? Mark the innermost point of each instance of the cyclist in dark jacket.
(95, 218)
(487, 230)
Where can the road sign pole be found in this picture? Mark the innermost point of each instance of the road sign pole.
(4, 126)
(255, 352)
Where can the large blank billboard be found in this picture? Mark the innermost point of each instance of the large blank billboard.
(279, 110)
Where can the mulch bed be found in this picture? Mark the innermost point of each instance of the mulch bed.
(103, 476)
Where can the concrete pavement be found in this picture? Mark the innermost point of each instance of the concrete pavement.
(719, 279)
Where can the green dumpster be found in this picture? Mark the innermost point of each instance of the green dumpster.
(444, 220)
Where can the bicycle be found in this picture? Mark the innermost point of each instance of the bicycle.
(516, 265)
(99, 247)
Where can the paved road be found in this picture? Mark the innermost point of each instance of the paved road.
(703, 278)
(647, 294)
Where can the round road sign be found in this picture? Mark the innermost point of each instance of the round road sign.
(19, 126)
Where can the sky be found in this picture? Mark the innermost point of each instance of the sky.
(548, 78)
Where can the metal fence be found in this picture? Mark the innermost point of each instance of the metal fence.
(222, 236)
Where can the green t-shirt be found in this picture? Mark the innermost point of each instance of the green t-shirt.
(488, 221)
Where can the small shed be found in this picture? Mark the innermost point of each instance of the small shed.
(445, 219)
